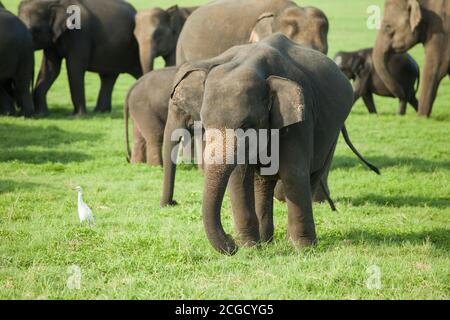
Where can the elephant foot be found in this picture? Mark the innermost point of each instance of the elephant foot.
(248, 239)
(170, 203)
(303, 242)
(41, 114)
(79, 113)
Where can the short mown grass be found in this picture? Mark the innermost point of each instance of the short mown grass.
(398, 222)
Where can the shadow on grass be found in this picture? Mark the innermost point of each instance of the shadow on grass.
(15, 137)
(383, 162)
(40, 157)
(60, 112)
(397, 201)
(12, 186)
(439, 237)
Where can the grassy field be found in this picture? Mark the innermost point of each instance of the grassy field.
(397, 223)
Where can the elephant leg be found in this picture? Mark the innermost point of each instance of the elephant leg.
(139, 145)
(76, 72)
(369, 102)
(104, 101)
(22, 88)
(152, 131)
(295, 174)
(49, 72)
(154, 151)
(402, 107)
(6, 103)
(264, 193)
(279, 192)
(241, 191)
(434, 71)
(322, 193)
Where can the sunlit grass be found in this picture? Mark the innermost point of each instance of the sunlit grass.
(398, 221)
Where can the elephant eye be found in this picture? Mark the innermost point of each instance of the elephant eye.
(388, 29)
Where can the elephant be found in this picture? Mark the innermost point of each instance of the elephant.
(7, 103)
(16, 65)
(405, 24)
(273, 84)
(103, 44)
(358, 66)
(148, 103)
(222, 24)
(157, 33)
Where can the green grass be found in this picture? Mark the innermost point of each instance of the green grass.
(399, 221)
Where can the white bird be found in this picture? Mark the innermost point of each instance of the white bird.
(84, 212)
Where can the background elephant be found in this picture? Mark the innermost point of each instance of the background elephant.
(221, 24)
(16, 65)
(157, 33)
(406, 23)
(147, 102)
(358, 66)
(267, 85)
(105, 44)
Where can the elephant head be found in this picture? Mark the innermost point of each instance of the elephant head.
(46, 20)
(307, 26)
(157, 33)
(184, 109)
(237, 95)
(400, 30)
(352, 64)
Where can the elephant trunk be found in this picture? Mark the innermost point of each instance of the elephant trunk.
(169, 160)
(216, 180)
(147, 56)
(382, 54)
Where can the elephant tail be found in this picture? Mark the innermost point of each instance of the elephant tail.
(126, 117)
(356, 152)
(327, 195)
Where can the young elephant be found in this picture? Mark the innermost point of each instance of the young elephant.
(358, 66)
(103, 43)
(16, 65)
(157, 33)
(147, 102)
(273, 84)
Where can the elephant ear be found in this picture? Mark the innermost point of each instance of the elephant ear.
(415, 14)
(58, 20)
(287, 105)
(358, 65)
(188, 89)
(263, 27)
(176, 18)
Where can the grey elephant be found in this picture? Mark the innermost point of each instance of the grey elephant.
(157, 31)
(405, 24)
(147, 103)
(16, 65)
(358, 66)
(103, 44)
(222, 24)
(273, 84)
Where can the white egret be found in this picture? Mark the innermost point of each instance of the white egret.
(84, 212)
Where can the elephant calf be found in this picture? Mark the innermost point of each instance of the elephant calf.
(16, 65)
(358, 66)
(157, 33)
(147, 102)
(273, 84)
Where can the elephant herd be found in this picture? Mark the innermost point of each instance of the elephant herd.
(231, 64)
